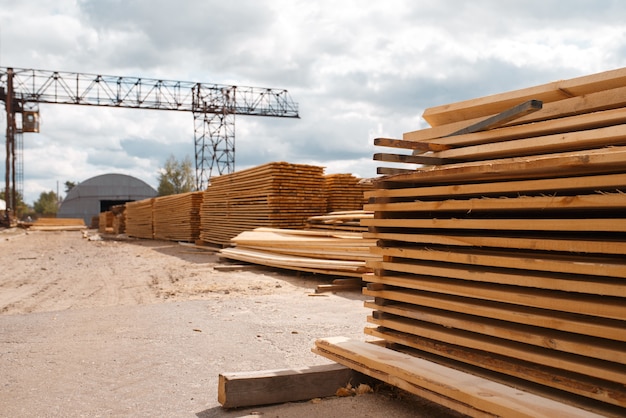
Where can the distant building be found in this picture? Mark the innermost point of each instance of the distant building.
(3, 205)
(97, 194)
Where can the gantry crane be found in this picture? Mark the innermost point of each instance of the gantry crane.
(214, 107)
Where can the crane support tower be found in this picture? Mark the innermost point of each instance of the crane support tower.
(213, 106)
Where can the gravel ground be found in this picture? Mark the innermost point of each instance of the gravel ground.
(107, 328)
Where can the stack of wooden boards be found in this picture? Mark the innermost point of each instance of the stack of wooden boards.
(338, 252)
(139, 219)
(349, 220)
(273, 195)
(344, 192)
(504, 255)
(105, 222)
(113, 221)
(57, 224)
(177, 217)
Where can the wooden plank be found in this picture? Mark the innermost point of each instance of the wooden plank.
(587, 103)
(469, 394)
(510, 277)
(561, 142)
(533, 378)
(577, 244)
(501, 118)
(608, 182)
(549, 92)
(567, 322)
(591, 202)
(574, 163)
(410, 159)
(561, 125)
(577, 303)
(412, 145)
(576, 225)
(243, 389)
(500, 264)
(554, 348)
(545, 357)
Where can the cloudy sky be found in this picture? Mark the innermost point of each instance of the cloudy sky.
(357, 69)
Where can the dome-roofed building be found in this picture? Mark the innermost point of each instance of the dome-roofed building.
(97, 194)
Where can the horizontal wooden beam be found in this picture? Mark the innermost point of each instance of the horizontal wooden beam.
(241, 389)
(463, 392)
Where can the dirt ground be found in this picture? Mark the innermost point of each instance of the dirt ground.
(125, 327)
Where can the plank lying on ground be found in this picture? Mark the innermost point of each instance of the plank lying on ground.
(314, 265)
(463, 392)
(241, 389)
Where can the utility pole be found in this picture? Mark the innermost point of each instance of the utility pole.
(10, 193)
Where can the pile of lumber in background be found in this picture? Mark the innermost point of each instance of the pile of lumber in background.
(341, 221)
(504, 249)
(340, 253)
(344, 192)
(273, 195)
(105, 222)
(112, 221)
(119, 219)
(139, 219)
(177, 217)
(57, 224)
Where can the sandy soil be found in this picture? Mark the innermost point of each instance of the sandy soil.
(124, 327)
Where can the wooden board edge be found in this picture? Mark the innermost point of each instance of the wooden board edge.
(461, 391)
(244, 389)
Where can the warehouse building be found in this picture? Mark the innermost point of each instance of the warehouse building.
(97, 194)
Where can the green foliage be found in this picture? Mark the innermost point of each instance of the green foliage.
(176, 177)
(21, 208)
(47, 204)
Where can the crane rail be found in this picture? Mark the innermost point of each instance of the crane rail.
(45, 86)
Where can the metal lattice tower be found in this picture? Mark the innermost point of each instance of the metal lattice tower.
(214, 106)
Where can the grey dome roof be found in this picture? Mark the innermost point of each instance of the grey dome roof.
(87, 198)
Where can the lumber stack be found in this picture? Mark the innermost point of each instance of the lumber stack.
(177, 217)
(105, 222)
(344, 192)
(325, 252)
(119, 219)
(503, 244)
(273, 195)
(342, 221)
(58, 224)
(139, 219)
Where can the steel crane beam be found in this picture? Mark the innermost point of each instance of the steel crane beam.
(214, 106)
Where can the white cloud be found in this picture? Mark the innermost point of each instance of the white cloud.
(358, 70)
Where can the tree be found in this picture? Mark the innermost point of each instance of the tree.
(21, 207)
(47, 204)
(176, 177)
